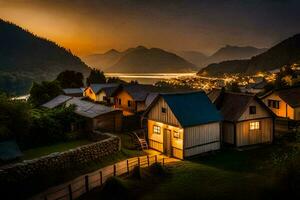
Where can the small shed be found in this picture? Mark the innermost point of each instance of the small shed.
(247, 120)
(183, 124)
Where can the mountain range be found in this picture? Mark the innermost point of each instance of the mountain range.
(284, 53)
(25, 57)
(142, 59)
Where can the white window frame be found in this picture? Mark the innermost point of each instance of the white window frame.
(156, 129)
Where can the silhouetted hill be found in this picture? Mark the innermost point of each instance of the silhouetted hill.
(103, 61)
(25, 57)
(194, 57)
(286, 52)
(233, 53)
(142, 59)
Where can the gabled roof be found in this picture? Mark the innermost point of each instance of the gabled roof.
(290, 95)
(192, 108)
(214, 94)
(9, 150)
(73, 90)
(89, 109)
(139, 92)
(98, 87)
(57, 101)
(233, 105)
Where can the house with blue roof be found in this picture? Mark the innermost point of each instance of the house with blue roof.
(183, 124)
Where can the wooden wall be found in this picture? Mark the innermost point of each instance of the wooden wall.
(125, 97)
(228, 132)
(90, 94)
(245, 136)
(156, 141)
(156, 114)
(202, 138)
(100, 96)
(260, 112)
(284, 109)
(108, 122)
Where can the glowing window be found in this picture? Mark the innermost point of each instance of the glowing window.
(176, 134)
(254, 125)
(156, 129)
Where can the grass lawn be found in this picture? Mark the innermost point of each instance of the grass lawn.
(45, 150)
(228, 174)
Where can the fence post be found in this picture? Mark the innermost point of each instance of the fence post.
(156, 158)
(148, 160)
(115, 170)
(87, 183)
(163, 161)
(70, 192)
(139, 162)
(101, 178)
(127, 163)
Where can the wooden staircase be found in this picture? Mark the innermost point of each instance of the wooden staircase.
(139, 139)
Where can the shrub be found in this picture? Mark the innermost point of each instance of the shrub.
(157, 169)
(135, 173)
(114, 188)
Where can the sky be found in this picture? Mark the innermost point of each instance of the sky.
(95, 26)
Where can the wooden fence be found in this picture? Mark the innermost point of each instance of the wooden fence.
(80, 185)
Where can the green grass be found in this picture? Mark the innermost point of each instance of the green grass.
(228, 174)
(45, 150)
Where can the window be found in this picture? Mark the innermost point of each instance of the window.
(119, 101)
(156, 130)
(254, 125)
(129, 103)
(163, 110)
(252, 110)
(273, 104)
(176, 134)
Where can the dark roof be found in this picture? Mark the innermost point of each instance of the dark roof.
(193, 108)
(9, 150)
(98, 87)
(214, 94)
(290, 95)
(233, 105)
(57, 101)
(73, 90)
(139, 92)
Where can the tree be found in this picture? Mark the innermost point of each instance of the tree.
(115, 80)
(43, 92)
(96, 76)
(70, 79)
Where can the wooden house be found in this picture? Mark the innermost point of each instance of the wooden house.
(284, 103)
(246, 119)
(134, 98)
(183, 124)
(96, 116)
(101, 92)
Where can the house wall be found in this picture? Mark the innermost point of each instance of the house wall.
(125, 97)
(90, 94)
(202, 138)
(228, 132)
(108, 122)
(261, 112)
(245, 136)
(156, 141)
(156, 114)
(297, 113)
(284, 109)
(100, 96)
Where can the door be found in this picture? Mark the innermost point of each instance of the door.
(167, 142)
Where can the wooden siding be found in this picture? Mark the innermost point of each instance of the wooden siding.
(202, 138)
(245, 136)
(108, 122)
(228, 132)
(297, 113)
(125, 97)
(156, 114)
(284, 109)
(156, 141)
(260, 112)
(90, 94)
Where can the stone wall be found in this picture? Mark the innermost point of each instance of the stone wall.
(61, 161)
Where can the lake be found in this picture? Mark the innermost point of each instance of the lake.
(148, 78)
